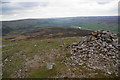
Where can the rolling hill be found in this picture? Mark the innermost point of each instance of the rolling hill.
(88, 23)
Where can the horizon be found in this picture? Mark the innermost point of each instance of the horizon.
(57, 18)
(24, 9)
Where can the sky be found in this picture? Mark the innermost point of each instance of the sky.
(24, 9)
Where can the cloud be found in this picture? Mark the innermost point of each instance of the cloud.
(12, 7)
(20, 9)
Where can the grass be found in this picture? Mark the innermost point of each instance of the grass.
(93, 25)
(12, 66)
(28, 48)
(68, 55)
(43, 48)
(45, 73)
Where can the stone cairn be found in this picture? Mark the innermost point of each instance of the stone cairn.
(99, 50)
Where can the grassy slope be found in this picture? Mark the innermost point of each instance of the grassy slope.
(27, 48)
(22, 50)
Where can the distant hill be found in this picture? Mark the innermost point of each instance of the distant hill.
(88, 23)
(46, 33)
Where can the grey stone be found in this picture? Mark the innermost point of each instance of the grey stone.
(50, 66)
(99, 50)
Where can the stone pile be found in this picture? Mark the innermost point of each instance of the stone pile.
(100, 41)
(99, 50)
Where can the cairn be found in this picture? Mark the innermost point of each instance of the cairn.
(98, 42)
(99, 50)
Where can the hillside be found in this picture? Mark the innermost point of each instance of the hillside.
(34, 58)
(45, 33)
(57, 48)
(88, 23)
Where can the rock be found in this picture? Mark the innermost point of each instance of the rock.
(75, 44)
(20, 70)
(6, 60)
(109, 72)
(26, 70)
(99, 50)
(35, 45)
(93, 38)
(50, 66)
(61, 45)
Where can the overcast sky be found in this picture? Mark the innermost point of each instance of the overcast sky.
(22, 9)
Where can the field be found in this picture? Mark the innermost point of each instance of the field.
(28, 59)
